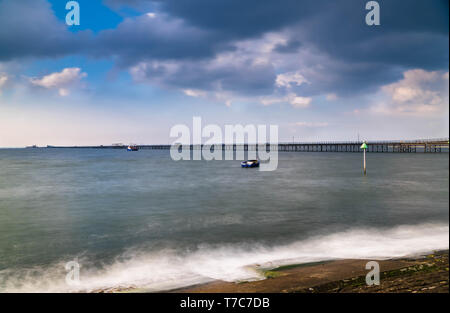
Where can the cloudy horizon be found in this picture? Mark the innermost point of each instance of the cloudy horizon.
(133, 69)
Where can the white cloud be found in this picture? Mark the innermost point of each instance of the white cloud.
(194, 93)
(63, 81)
(419, 92)
(299, 102)
(289, 79)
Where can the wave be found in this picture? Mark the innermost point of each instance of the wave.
(169, 269)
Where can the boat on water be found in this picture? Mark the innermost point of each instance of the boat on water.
(133, 148)
(250, 163)
(32, 147)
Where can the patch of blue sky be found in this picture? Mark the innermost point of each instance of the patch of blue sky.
(94, 15)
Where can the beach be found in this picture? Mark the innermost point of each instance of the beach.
(428, 273)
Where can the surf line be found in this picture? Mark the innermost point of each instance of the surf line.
(192, 303)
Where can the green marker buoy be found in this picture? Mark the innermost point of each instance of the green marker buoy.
(364, 147)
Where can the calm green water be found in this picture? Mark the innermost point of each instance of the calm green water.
(141, 219)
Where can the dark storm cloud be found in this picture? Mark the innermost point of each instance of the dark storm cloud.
(241, 19)
(254, 17)
(337, 27)
(28, 28)
(413, 34)
(217, 24)
(240, 77)
(159, 37)
(344, 80)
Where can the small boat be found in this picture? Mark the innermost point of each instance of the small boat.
(250, 163)
(133, 148)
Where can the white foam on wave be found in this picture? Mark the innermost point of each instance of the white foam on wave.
(169, 269)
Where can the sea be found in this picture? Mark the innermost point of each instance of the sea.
(87, 220)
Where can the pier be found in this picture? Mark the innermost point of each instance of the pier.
(404, 146)
(387, 146)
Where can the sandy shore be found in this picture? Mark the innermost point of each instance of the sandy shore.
(411, 275)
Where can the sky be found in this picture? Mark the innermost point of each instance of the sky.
(133, 69)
